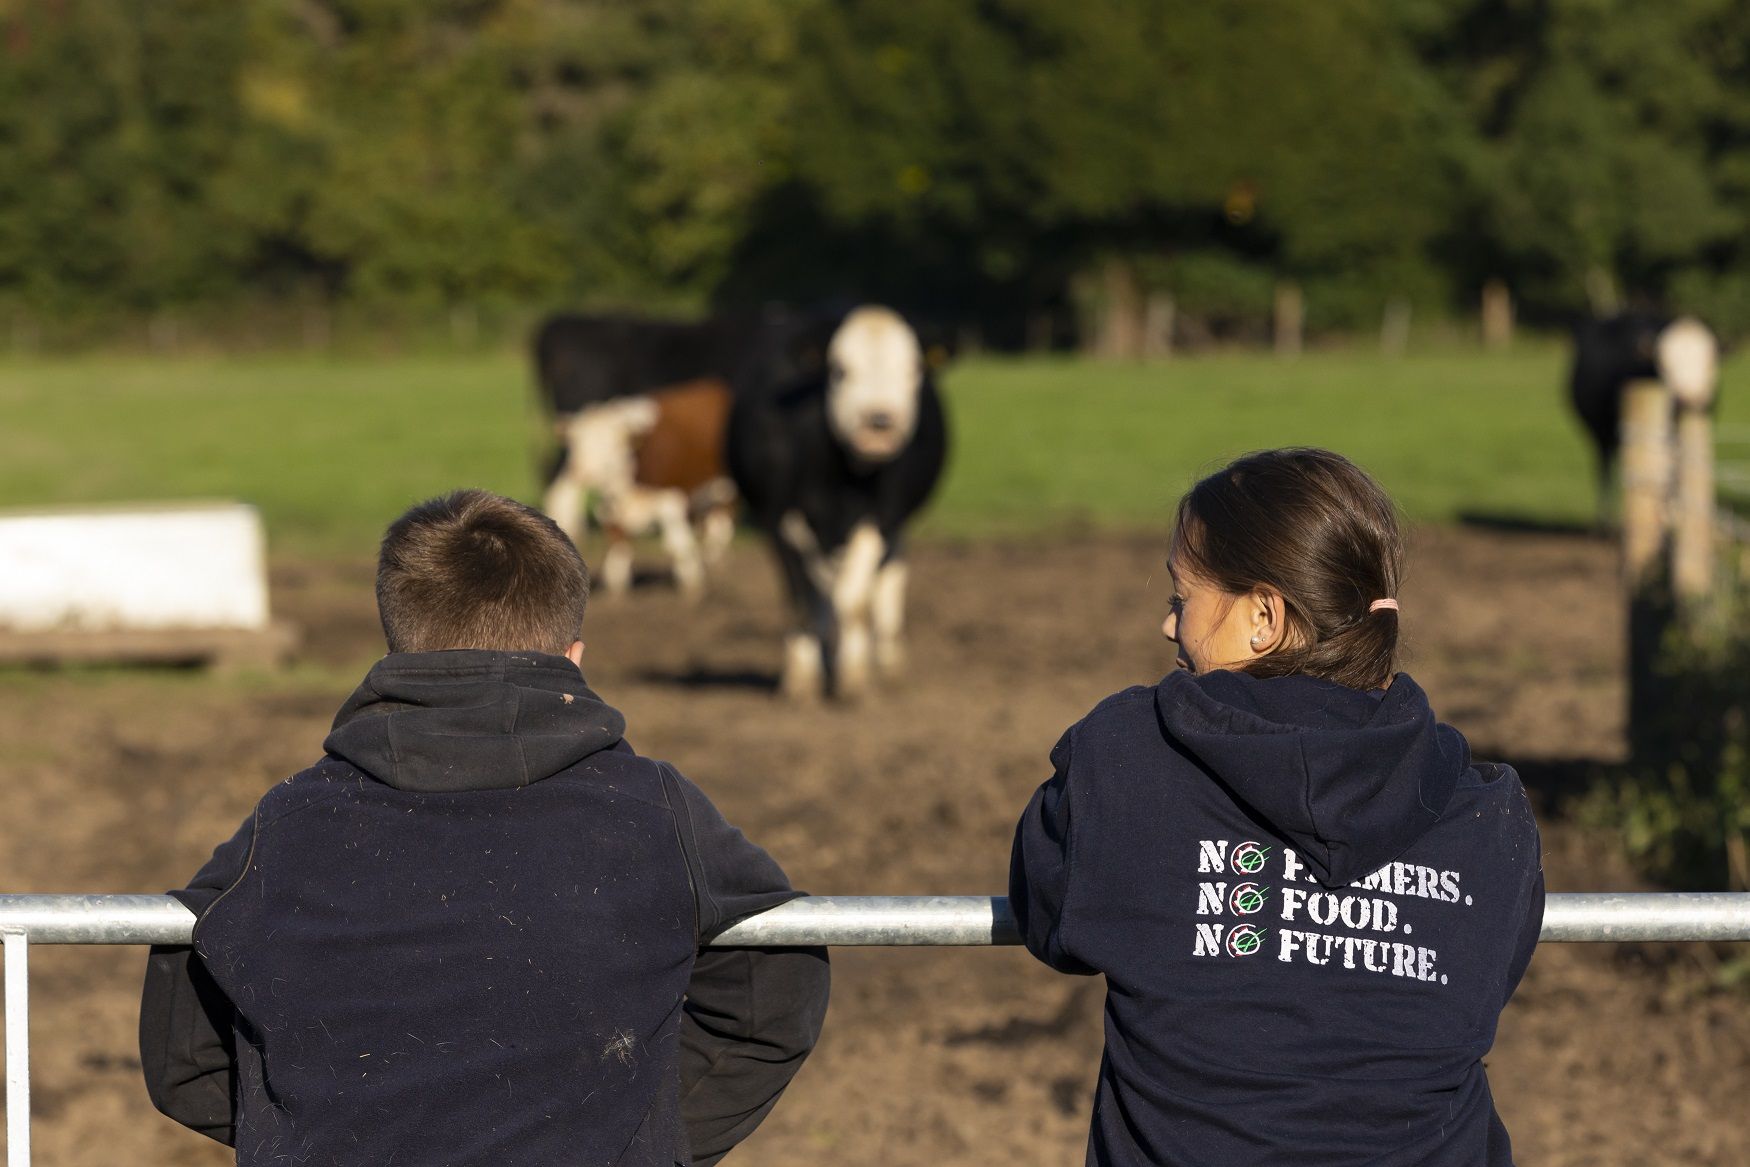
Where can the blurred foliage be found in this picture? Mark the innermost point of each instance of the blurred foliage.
(969, 160)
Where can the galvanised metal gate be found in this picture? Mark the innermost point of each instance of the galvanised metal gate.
(830, 920)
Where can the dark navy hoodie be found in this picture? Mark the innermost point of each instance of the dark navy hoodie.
(471, 935)
(1310, 907)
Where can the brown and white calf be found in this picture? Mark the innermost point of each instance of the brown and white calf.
(652, 461)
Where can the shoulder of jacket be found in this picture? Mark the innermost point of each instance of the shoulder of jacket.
(1121, 708)
(327, 779)
(621, 774)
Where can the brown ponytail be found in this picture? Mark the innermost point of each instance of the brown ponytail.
(1314, 527)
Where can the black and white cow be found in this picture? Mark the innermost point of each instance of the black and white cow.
(831, 467)
(1610, 352)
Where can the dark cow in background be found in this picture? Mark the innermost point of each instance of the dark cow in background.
(583, 360)
(1610, 352)
(831, 466)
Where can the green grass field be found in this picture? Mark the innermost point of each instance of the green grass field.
(331, 448)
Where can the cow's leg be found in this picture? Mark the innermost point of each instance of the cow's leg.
(719, 522)
(623, 512)
(887, 614)
(809, 643)
(1604, 521)
(617, 561)
(677, 539)
(563, 502)
(851, 594)
(803, 666)
(718, 533)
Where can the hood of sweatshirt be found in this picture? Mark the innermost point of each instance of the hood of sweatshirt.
(1351, 778)
(471, 719)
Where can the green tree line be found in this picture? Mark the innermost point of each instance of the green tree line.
(1020, 166)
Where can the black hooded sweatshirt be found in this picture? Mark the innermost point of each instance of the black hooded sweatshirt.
(470, 935)
(1310, 908)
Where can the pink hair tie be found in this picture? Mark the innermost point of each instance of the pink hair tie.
(1378, 604)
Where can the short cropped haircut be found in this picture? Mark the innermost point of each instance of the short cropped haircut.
(476, 570)
(1316, 529)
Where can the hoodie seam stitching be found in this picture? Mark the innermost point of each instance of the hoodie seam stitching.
(255, 829)
(1306, 801)
(688, 838)
(1070, 848)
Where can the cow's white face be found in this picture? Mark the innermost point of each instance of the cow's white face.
(875, 368)
(1689, 361)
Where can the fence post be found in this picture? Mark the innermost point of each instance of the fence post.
(1497, 316)
(1646, 491)
(1692, 542)
(1394, 326)
(1288, 315)
(1159, 311)
(1689, 362)
(1646, 479)
(17, 1048)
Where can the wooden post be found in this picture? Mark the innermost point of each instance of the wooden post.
(1645, 446)
(1394, 327)
(1692, 537)
(1158, 313)
(1120, 326)
(1290, 319)
(1497, 316)
(1689, 361)
(1646, 479)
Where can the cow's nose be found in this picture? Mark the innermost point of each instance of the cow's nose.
(879, 421)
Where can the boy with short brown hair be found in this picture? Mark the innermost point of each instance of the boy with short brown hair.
(471, 933)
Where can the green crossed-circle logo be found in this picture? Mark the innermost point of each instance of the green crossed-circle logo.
(1244, 940)
(1247, 899)
(1249, 858)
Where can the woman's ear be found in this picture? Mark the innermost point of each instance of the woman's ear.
(1268, 615)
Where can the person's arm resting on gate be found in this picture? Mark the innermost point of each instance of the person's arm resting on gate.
(187, 1046)
(752, 1014)
(1040, 867)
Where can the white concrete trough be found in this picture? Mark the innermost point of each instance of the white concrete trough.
(168, 582)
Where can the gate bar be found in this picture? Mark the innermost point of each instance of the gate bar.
(810, 920)
(901, 920)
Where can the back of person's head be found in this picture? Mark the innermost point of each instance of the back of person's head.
(1314, 528)
(476, 570)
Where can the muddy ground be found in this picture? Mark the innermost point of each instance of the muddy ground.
(1610, 1054)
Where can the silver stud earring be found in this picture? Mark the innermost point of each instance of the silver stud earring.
(1257, 640)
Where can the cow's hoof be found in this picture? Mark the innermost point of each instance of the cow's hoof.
(890, 661)
(799, 691)
(850, 692)
(802, 679)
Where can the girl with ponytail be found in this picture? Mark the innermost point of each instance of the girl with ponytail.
(1309, 903)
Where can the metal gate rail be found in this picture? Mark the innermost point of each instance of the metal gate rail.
(832, 920)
